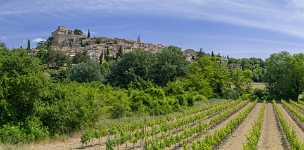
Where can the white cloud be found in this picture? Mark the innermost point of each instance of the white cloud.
(284, 16)
(37, 40)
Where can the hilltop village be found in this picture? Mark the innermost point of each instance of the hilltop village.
(75, 41)
(71, 42)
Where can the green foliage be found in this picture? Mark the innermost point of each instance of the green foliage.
(131, 67)
(56, 58)
(32, 107)
(241, 80)
(119, 104)
(17, 63)
(290, 133)
(78, 32)
(85, 72)
(2, 45)
(255, 65)
(255, 132)
(285, 75)
(160, 68)
(210, 69)
(210, 141)
(81, 58)
(12, 134)
(169, 64)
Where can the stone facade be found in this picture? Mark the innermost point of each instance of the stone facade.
(190, 55)
(72, 42)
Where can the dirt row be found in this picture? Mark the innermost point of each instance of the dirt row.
(238, 138)
(271, 137)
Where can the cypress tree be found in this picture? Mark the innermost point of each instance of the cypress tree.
(28, 45)
(120, 52)
(89, 34)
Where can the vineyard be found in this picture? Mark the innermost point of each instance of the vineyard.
(222, 125)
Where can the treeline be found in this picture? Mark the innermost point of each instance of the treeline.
(48, 94)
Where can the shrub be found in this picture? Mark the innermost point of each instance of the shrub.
(12, 134)
(35, 129)
(85, 72)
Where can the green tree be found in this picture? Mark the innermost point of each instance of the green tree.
(78, 32)
(285, 75)
(85, 72)
(212, 70)
(2, 45)
(132, 67)
(81, 57)
(22, 83)
(57, 58)
(169, 65)
(241, 80)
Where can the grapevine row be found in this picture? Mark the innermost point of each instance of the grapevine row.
(253, 137)
(294, 111)
(131, 126)
(214, 139)
(173, 139)
(166, 126)
(289, 132)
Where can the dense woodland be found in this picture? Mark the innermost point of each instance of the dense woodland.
(49, 94)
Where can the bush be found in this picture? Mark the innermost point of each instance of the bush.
(35, 129)
(120, 104)
(12, 134)
(85, 72)
(76, 106)
(231, 94)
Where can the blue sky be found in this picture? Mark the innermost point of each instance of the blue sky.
(238, 28)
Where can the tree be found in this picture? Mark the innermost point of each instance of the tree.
(78, 32)
(132, 67)
(85, 72)
(285, 76)
(21, 83)
(2, 45)
(56, 58)
(201, 53)
(89, 34)
(120, 52)
(212, 53)
(241, 80)
(28, 46)
(169, 65)
(81, 57)
(17, 62)
(210, 69)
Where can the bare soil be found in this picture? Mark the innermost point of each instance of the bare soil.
(238, 137)
(271, 137)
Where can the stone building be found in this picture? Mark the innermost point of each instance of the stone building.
(190, 54)
(72, 42)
